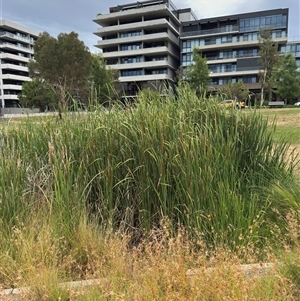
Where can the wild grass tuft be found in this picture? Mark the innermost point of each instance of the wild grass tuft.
(73, 190)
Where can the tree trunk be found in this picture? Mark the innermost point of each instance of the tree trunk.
(62, 102)
(262, 94)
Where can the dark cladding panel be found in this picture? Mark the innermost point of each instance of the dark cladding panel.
(244, 64)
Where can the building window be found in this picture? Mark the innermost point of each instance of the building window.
(125, 47)
(131, 72)
(157, 71)
(253, 24)
(130, 34)
(130, 60)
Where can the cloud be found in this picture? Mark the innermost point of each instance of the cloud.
(55, 16)
(215, 8)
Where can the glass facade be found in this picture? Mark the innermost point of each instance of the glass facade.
(272, 21)
(130, 34)
(131, 72)
(225, 80)
(293, 48)
(157, 71)
(130, 60)
(131, 46)
(218, 68)
(188, 45)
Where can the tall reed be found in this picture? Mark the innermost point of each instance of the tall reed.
(178, 157)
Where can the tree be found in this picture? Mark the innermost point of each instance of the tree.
(64, 63)
(197, 74)
(268, 59)
(37, 93)
(236, 91)
(102, 80)
(286, 77)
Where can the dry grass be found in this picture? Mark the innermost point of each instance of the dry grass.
(156, 269)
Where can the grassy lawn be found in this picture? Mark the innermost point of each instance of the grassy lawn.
(287, 122)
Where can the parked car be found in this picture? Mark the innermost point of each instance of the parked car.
(297, 104)
(230, 103)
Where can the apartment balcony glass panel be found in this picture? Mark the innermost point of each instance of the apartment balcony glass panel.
(130, 34)
(11, 92)
(156, 58)
(222, 55)
(158, 71)
(172, 8)
(252, 36)
(110, 49)
(131, 60)
(220, 68)
(18, 45)
(250, 79)
(112, 61)
(226, 80)
(247, 53)
(228, 28)
(155, 30)
(18, 36)
(110, 37)
(131, 72)
(136, 46)
(155, 44)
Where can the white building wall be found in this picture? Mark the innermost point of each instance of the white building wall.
(16, 49)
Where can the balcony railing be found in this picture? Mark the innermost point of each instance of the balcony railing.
(240, 69)
(16, 37)
(209, 31)
(228, 57)
(17, 46)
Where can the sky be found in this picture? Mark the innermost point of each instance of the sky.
(56, 16)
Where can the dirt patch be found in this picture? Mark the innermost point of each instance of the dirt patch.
(288, 120)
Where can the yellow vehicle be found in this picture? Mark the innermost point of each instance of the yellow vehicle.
(230, 103)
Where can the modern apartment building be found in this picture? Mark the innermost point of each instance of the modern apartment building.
(16, 46)
(147, 42)
(141, 41)
(230, 44)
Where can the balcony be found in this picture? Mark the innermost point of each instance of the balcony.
(14, 37)
(10, 96)
(14, 57)
(12, 87)
(16, 47)
(213, 31)
(14, 67)
(228, 58)
(159, 23)
(143, 51)
(155, 11)
(141, 38)
(234, 72)
(153, 77)
(152, 64)
(16, 77)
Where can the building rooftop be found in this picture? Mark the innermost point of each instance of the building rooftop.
(9, 25)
